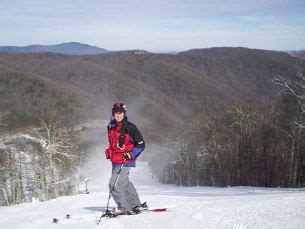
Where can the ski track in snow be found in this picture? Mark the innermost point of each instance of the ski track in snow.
(193, 207)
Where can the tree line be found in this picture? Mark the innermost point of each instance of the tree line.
(246, 144)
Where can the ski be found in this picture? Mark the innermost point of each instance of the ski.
(70, 219)
(156, 210)
(109, 214)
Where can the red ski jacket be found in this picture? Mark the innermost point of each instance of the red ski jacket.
(123, 137)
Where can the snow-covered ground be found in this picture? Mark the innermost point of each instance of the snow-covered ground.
(195, 207)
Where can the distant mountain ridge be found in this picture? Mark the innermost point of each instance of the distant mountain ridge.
(70, 48)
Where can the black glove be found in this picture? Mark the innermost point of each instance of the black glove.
(127, 156)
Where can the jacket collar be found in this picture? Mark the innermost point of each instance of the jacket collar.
(113, 123)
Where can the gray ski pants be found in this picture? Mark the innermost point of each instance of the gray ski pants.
(124, 194)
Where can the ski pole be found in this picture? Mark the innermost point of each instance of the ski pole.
(109, 196)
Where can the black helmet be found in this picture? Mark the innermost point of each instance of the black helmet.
(118, 107)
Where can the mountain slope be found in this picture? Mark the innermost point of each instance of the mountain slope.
(26, 97)
(195, 207)
(163, 90)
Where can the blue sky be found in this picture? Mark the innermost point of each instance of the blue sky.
(168, 25)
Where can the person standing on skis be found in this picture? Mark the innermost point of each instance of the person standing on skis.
(125, 145)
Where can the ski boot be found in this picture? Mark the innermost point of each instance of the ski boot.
(142, 206)
(134, 211)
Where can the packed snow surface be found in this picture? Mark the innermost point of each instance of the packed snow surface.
(190, 207)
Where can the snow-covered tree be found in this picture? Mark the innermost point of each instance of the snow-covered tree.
(58, 147)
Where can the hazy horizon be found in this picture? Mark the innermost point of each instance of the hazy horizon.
(157, 26)
(153, 51)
